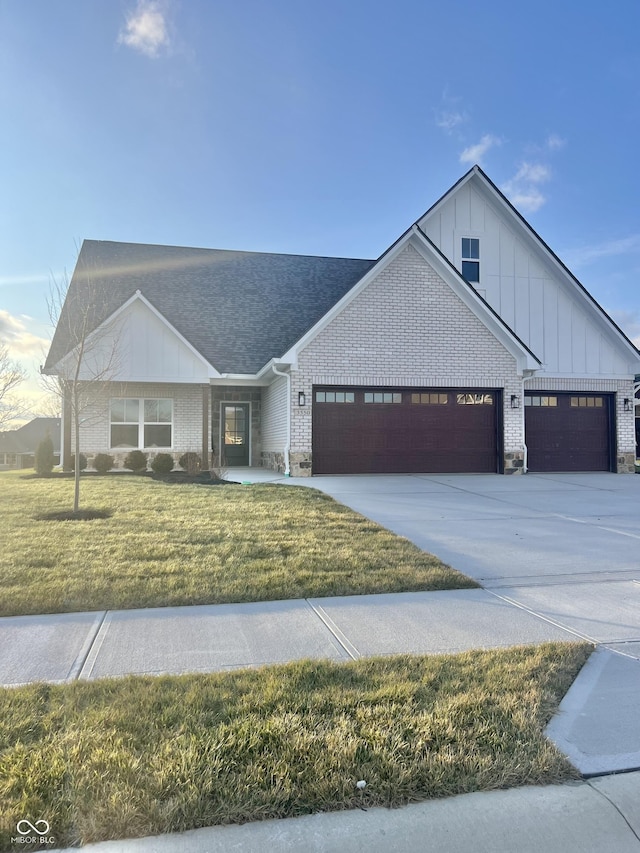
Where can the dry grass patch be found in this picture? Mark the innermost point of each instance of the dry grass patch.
(142, 755)
(187, 544)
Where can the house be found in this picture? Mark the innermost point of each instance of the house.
(467, 346)
(18, 446)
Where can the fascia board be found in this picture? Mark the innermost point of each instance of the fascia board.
(525, 359)
(444, 198)
(521, 226)
(138, 296)
(291, 356)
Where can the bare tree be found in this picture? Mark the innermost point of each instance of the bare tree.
(11, 376)
(90, 354)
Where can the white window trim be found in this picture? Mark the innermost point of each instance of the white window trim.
(141, 425)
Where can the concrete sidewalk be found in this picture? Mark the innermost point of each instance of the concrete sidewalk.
(595, 817)
(597, 725)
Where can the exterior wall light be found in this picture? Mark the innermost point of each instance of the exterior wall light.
(302, 400)
(515, 401)
(627, 404)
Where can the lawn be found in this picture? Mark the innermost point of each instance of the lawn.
(188, 544)
(144, 755)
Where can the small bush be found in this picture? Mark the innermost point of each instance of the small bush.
(83, 462)
(44, 460)
(136, 461)
(162, 464)
(103, 463)
(190, 462)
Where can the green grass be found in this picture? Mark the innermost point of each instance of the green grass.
(143, 755)
(187, 544)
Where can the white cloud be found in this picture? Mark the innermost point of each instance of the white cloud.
(609, 248)
(475, 153)
(21, 342)
(146, 28)
(629, 322)
(448, 120)
(522, 190)
(555, 142)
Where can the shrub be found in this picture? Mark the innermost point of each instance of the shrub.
(136, 461)
(83, 462)
(162, 464)
(190, 461)
(102, 462)
(44, 460)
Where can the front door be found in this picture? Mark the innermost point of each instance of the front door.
(235, 434)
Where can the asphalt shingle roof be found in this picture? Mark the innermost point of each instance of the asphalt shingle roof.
(238, 309)
(26, 438)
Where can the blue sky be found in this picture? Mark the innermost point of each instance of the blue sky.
(324, 129)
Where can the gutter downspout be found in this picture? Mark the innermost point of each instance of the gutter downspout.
(287, 448)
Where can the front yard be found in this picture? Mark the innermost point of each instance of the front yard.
(168, 545)
(148, 755)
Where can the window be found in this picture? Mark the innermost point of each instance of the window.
(471, 259)
(542, 401)
(474, 399)
(430, 399)
(335, 397)
(586, 402)
(382, 397)
(137, 423)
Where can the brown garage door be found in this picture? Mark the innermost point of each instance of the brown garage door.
(568, 432)
(401, 430)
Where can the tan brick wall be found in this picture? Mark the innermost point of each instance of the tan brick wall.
(407, 328)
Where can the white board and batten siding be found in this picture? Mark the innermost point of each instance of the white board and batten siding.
(146, 350)
(526, 288)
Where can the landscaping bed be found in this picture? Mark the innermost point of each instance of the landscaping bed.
(167, 545)
(149, 755)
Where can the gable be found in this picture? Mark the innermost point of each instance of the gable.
(408, 322)
(519, 279)
(138, 345)
(237, 309)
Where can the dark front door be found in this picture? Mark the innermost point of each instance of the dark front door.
(235, 433)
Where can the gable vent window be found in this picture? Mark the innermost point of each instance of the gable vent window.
(471, 259)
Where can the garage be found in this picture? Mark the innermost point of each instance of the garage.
(405, 430)
(569, 431)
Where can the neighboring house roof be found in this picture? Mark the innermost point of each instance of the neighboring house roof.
(203, 293)
(26, 438)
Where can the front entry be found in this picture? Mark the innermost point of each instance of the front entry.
(235, 434)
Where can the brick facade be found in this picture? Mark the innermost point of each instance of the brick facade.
(187, 418)
(407, 328)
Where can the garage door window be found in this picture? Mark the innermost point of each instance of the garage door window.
(335, 397)
(541, 401)
(430, 399)
(474, 399)
(586, 402)
(382, 397)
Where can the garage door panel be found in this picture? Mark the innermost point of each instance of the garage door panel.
(574, 433)
(414, 431)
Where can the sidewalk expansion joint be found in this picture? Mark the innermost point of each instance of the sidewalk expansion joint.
(85, 651)
(615, 806)
(512, 601)
(342, 640)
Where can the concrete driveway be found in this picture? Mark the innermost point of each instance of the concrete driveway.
(565, 546)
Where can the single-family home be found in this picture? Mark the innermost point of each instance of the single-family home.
(467, 346)
(18, 446)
